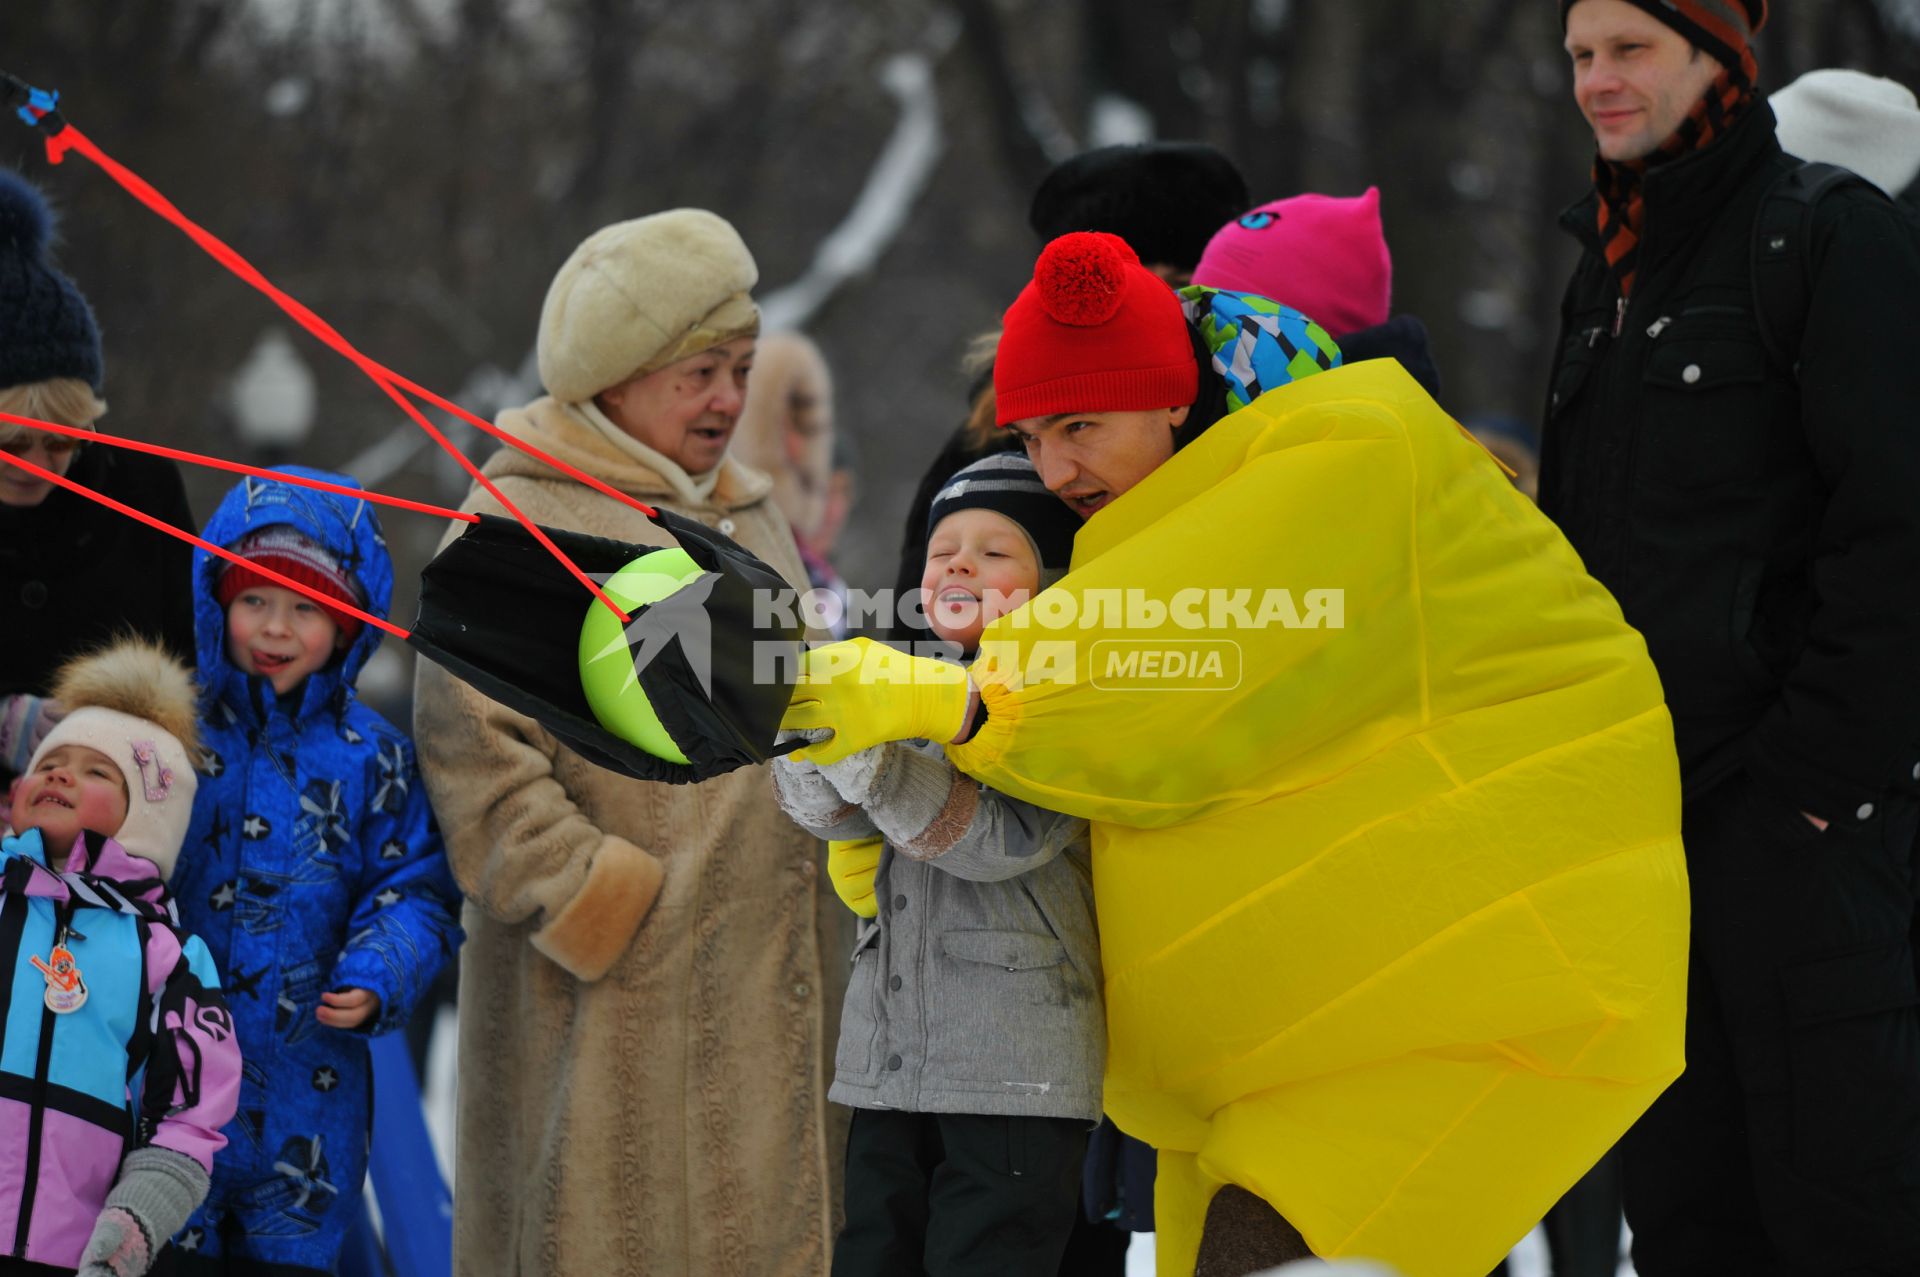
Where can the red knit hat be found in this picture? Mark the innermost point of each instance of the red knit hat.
(1094, 331)
(297, 558)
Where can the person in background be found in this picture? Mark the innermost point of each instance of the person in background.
(1867, 123)
(72, 573)
(1515, 444)
(1326, 257)
(787, 433)
(843, 491)
(1753, 510)
(1166, 199)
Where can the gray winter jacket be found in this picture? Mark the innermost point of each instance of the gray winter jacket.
(979, 988)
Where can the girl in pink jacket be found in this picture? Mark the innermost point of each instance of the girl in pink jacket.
(118, 1063)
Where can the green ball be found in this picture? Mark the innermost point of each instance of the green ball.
(606, 663)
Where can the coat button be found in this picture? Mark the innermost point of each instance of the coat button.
(899, 902)
(1864, 812)
(895, 984)
(34, 594)
(1690, 374)
(801, 991)
(726, 527)
(893, 1063)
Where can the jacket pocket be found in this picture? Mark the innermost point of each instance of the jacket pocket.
(1007, 1014)
(1704, 414)
(1853, 1054)
(1014, 950)
(1580, 353)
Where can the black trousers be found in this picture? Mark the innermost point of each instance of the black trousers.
(1791, 1144)
(948, 1194)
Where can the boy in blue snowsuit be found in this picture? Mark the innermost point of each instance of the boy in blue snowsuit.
(313, 869)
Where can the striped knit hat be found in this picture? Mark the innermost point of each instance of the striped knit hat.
(283, 550)
(1723, 28)
(1007, 484)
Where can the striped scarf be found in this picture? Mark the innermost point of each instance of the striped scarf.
(1621, 185)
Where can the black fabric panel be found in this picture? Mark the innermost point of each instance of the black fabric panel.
(499, 612)
(62, 1099)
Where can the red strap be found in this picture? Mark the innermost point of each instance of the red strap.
(161, 525)
(72, 139)
(89, 435)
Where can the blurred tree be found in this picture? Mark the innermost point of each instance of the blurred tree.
(416, 169)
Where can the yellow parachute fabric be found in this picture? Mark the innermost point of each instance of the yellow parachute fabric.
(1395, 928)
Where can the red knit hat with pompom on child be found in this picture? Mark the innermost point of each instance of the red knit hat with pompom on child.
(282, 549)
(1094, 331)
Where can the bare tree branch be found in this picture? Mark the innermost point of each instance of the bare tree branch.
(1022, 152)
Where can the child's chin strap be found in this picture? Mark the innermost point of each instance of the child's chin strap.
(39, 109)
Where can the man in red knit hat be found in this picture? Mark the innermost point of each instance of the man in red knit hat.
(1326, 877)
(1740, 471)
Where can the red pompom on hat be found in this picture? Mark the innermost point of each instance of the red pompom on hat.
(1095, 331)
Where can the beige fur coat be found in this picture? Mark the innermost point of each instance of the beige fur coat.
(644, 1017)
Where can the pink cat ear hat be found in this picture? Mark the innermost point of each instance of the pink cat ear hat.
(1324, 255)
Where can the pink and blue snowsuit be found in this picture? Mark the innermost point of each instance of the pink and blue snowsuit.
(149, 1059)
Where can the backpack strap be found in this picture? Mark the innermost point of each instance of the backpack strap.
(1783, 255)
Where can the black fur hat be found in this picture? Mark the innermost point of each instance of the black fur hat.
(1166, 199)
(46, 326)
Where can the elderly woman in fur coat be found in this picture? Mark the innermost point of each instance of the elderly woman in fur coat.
(643, 1008)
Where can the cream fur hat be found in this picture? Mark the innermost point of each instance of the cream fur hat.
(638, 295)
(1862, 122)
(135, 703)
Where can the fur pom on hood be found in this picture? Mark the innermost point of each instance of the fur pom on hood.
(139, 678)
(135, 703)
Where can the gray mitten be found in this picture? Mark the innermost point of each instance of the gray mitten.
(156, 1192)
(803, 793)
(901, 789)
(853, 776)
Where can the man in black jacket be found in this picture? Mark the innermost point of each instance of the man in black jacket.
(1759, 521)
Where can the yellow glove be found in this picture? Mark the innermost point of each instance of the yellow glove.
(867, 693)
(852, 867)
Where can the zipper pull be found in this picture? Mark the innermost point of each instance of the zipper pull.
(1619, 315)
(1659, 325)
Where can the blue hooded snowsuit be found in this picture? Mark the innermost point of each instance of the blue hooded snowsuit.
(312, 863)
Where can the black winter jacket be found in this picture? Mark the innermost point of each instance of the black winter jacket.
(73, 573)
(1759, 524)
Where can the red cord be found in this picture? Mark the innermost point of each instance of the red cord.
(72, 139)
(88, 435)
(161, 525)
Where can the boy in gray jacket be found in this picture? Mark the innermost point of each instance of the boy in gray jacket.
(974, 1037)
